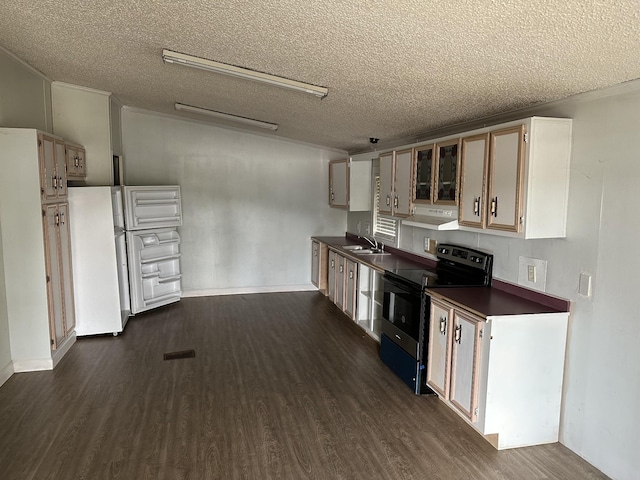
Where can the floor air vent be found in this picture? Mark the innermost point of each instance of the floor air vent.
(178, 355)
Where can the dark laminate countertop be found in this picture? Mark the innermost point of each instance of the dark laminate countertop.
(500, 299)
(490, 301)
(391, 261)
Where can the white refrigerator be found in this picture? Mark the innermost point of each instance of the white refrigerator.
(152, 214)
(125, 251)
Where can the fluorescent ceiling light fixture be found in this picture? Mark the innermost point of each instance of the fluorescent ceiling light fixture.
(181, 59)
(226, 116)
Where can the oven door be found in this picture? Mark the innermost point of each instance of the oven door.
(401, 312)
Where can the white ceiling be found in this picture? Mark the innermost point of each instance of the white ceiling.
(394, 69)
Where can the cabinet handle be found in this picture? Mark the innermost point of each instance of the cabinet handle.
(341, 269)
(395, 202)
(77, 160)
(333, 264)
(56, 219)
(54, 180)
(443, 325)
(350, 274)
(388, 201)
(457, 337)
(62, 218)
(494, 206)
(476, 206)
(60, 183)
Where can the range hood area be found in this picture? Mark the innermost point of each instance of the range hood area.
(433, 218)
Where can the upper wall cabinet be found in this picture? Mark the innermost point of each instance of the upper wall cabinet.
(423, 168)
(396, 183)
(446, 172)
(473, 176)
(524, 167)
(53, 172)
(76, 163)
(350, 184)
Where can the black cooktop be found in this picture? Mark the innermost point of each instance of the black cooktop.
(457, 266)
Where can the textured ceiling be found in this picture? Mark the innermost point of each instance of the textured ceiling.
(394, 69)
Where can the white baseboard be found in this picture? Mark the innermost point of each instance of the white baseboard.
(32, 365)
(38, 364)
(5, 373)
(305, 287)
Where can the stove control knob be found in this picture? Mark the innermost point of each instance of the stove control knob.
(478, 260)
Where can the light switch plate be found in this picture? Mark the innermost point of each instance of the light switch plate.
(584, 287)
(532, 273)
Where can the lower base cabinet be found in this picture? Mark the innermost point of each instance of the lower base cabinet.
(502, 374)
(319, 252)
(355, 288)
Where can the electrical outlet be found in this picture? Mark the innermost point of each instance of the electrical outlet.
(532, 273)
(430, 245)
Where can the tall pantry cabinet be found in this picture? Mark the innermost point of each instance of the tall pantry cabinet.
(36, 248)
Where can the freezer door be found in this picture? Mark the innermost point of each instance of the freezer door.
(152, 207)
(154, 268)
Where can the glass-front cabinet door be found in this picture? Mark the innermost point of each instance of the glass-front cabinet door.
(446, 174)
(423, 174)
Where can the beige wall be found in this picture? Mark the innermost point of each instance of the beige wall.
(25, 95)
(250, 202)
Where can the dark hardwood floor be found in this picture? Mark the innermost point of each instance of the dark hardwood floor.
(282, 386)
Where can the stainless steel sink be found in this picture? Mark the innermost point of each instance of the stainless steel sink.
(353, 247)
(371, 251)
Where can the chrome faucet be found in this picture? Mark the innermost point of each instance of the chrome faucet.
(372, 241)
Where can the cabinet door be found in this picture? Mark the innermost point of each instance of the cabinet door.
(61, 168)
(315, 263)
(75, 161)
(446, 173)
(423, 174)
(351, 282)
(339, 183)
(331, 276)
(66, 268)
(55, 287)
(81, 170)
(465, 366)
(403, 183)
(505, 179)
(439, 350)
(48, 176)
(473, 176)
(341, 266)
(387, 168)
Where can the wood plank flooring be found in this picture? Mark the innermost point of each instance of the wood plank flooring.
(282, 386)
